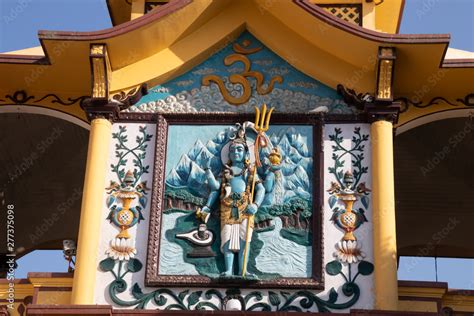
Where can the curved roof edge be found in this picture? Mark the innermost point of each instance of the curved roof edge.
(23, 59)
(304, 4)
(123, 28)
(367, 34)
(173, 6)
(458, 63)
(400, 16)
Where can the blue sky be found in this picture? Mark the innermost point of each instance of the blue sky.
(20, 21)
(455, 17)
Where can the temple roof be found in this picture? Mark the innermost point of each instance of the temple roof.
(174, 38)
(388, 14)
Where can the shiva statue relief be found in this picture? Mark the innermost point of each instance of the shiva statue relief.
(234, 190)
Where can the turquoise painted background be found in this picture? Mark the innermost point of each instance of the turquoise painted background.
(297, 92)
(282, 240)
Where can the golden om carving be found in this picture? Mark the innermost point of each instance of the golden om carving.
(243, 77)
(242, 49)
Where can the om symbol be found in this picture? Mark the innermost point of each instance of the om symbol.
(242, 78)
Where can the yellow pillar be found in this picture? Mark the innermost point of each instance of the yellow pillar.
(92, 203)
(385, 241)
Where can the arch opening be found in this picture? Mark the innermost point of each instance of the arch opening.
(43, 159)
(434, 186)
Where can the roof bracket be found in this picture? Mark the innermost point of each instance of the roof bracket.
(100, 72)
(385, 66)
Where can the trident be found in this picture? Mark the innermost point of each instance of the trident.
(262, 123)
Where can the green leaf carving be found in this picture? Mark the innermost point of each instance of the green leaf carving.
(334, 267)
(365, 267)
(183, 294)
(137, 153)
(274, 298)
(194, 298)
(332, 296)
(214, 299)
(332, 201)
(159, 299)
(365, 201)
(286, 295)
(137, 291)
(134, 265)
(356, 152)
(107, 264)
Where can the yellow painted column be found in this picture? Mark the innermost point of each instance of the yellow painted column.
(384, 233)
(92, 202)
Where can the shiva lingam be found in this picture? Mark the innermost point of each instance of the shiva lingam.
(201, 239)
(348, 219)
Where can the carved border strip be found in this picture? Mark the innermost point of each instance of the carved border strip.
(203, 117)
(152, 277)
(154, 232)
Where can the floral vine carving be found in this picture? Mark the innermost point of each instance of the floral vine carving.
(124, 211)
(345, 192)
(356, 153)
(216, 299)
(213, 299)
(122, 151)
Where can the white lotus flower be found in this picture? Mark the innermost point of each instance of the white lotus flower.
(347, 251)
(121, 249)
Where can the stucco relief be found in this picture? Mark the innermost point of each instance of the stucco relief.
(348, 282)
(242, 75)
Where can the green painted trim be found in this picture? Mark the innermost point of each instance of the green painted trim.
(356, 152)
(138, 153)
(168, 299)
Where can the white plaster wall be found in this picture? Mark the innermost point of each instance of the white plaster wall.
(331, 233)
(139, 231)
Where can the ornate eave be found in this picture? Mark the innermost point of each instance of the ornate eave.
(384, 16)
(172, 39)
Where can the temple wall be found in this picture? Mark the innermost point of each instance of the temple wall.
(129, 290)
(310, 250)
